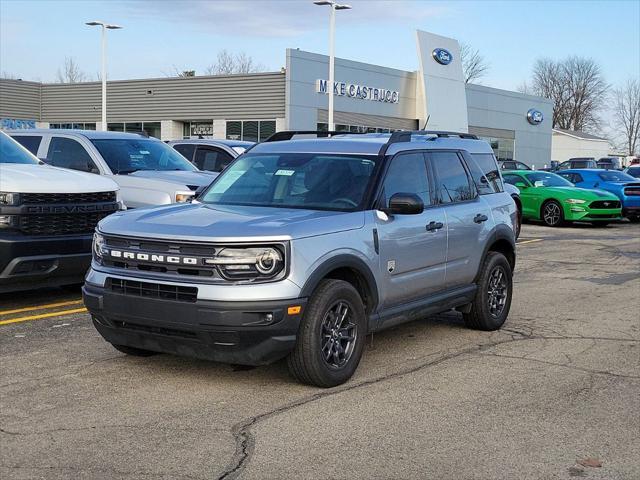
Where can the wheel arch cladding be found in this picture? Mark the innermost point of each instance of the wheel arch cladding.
(351, 269)
(504, 243)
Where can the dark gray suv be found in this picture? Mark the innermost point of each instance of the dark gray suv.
(303, 246)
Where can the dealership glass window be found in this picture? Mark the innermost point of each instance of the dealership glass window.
(151, 128)
(250, 130)
(202, 128)
(76, 125)
(503, 148)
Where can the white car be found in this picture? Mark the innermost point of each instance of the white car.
(47, 219)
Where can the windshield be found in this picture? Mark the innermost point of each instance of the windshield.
(12, 152)
(294, 180)
(128, 155)
(616, 177)
(546, 179)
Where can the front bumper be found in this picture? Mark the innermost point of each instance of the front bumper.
(36, 261)
(229, 332)
(580, 213)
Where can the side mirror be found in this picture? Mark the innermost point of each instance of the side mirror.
(405, 204)
(521, 185)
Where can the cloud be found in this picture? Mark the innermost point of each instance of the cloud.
(276, 18)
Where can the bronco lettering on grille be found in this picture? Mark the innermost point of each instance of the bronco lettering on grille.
(153, 258)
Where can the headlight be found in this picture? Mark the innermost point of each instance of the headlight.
(248, 263)
(575, 201)
(98, 246)
(184, 197)
(9, 198)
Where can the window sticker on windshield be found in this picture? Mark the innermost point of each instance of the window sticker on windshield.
(145, 152)
(226, 181)
(285, 173)
(538, 183)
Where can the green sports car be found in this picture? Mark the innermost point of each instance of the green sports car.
(549, 197)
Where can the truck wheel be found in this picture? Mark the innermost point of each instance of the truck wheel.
(331, 336)
(492, 302)
(133, 351)
(552, 214)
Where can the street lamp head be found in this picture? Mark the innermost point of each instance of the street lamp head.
(323, 2)
(113, 27)
(342, 7)
(332, 3)
(94, 23)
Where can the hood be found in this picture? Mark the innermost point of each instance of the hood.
(200, 222)
(580, 193)
(16, 177)
(183, 178)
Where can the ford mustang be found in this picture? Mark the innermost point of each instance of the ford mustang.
(554, 200)
(622, 185)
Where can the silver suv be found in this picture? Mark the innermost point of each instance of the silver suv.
(303, 246)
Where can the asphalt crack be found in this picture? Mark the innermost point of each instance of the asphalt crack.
(245, 441)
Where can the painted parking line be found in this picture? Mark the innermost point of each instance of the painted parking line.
(43, 315)
(533, 240)
(40, 307)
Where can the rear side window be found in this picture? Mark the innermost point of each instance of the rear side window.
(212, 159)
(30, 142)
(186, 150)
(512, 179)
(407, 174)
(453, 181)
(484, 170)
(68, 153)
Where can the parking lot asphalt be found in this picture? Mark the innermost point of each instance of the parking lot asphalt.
(553, 395)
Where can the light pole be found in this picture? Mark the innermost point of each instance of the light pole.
(104, 26)
(332, 40)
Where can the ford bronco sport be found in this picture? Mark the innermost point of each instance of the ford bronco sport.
(303, 246)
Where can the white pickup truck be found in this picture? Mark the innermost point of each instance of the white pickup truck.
(148, 171)
(47, 219)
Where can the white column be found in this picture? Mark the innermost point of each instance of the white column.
(220, 128)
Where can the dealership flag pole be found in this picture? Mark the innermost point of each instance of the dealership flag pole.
(332, 40)
(104, 26)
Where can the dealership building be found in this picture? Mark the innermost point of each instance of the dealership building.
(369, 98)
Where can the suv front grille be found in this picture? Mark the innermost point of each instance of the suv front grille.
(152, 290)
(60, 224)
(605, 204)
(91, 197)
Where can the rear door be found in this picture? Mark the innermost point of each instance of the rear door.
(468, 217)
(412, 247)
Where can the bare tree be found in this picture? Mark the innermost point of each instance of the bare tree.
(227, 63)
(8, 76)
(576, 86)
(474, 65)
(626, 114)
(70, 72)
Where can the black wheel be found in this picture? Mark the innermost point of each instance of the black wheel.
(552, 214)
(133, 351)
(599, 224)
(492, 302)
(331, 336)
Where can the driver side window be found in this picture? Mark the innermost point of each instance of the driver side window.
(407, 174)
(67, 153)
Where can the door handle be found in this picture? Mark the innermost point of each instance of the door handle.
(433, 226)
(479, 218)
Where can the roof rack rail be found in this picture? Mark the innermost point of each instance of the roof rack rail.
(289, 134)
(401, 136)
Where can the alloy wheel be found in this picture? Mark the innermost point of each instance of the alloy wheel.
(339, 334)
(497, 291)
(552, 213)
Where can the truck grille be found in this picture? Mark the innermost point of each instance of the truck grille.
(152, 290)
(60, 224)
(91, 197)
(605, 204)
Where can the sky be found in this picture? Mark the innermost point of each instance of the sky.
(160, 36)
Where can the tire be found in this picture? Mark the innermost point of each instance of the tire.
(133, 351)
(314, 359)
(518, 223)
(552, 214)
(484, 313)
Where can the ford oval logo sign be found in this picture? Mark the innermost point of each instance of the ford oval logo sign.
(442, 56)
(534, 117)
